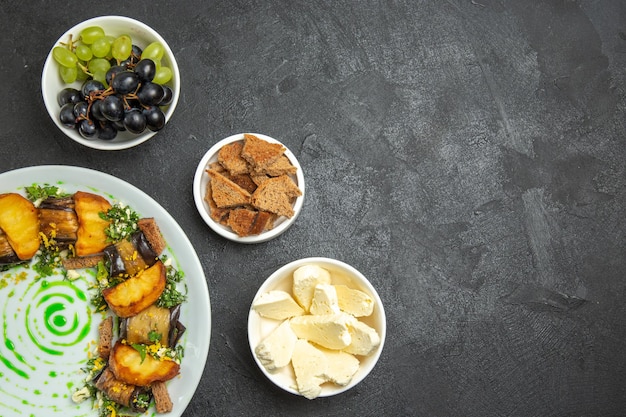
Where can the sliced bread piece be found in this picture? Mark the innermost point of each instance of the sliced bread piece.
(229, 156)
(151, 231)
(280, 167)
(226, 193)
(260, 153)
(275, 195)
(246, 222)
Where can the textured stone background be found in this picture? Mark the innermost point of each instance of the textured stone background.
(466, 155)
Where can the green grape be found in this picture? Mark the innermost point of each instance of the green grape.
(82, 75)
(101, 76)
(122, 47)
(83, 52)
(90, 34)
(101, 47)
(163, 75)
(64, 56)
(154, 51)
(98, 65)
(68, 75)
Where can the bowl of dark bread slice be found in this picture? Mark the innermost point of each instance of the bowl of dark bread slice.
(249, 188)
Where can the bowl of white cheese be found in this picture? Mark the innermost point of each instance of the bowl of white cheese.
(316, 327)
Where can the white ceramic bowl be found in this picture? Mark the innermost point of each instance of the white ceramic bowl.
(341, 273)
(142, 35)
(201, 178)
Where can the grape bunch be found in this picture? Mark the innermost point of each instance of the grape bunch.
(123, 87)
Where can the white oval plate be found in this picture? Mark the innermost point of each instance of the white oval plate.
(40, 360)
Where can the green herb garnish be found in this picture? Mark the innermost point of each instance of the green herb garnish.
(123, 222)
(171, 296)
(141, 349)
(154, 336)
(41, 192)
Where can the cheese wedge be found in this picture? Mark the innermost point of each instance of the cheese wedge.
(310, 366)
(354, 302)
(305, 279)
(341, 366)
(276, 349)
(277, 305)
(324, 300)
(330, 331)
(364, 339)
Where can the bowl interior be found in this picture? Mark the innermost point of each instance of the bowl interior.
(341, 273)
(141, 35)
(201, 179)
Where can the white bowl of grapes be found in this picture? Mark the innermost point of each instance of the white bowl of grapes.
(110, 83)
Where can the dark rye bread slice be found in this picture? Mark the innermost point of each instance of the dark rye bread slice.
(246, 222)
(105, 336)
(162, 400)
(260, 153)
(226, 193)
(275, 195)
(151, 231)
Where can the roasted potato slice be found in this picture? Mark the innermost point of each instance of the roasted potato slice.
(20, 222)
(136, 293)
(129, 367)
(90, 236)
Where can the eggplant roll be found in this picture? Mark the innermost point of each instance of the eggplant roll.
(120, 392)
(129, 257)
(153, 320)
(58, 220)
(7, 254)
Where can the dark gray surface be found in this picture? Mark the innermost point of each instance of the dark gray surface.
(467, 156)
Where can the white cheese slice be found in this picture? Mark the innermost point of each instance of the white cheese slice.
(276, 349)
(341, 366)
(305, 279)
(354, 302)
(277, 305)
(310, 366)
(364, 339)
(330, 331)
(324, 300)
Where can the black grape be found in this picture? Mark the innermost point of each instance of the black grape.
(135, 121)
(66, 115)
(112, 108)
(107, 131)
(80, 109)
(125, 82)
(87, 128)
(150, 93)
(113, 71)
(155, 119)
(168, 95)
(96, 110)
(69, 95)
(90, 86)
(145, 69)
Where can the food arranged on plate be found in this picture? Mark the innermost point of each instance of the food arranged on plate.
(136, 288)
(250, 186)
(124, 86)
(319, 329)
